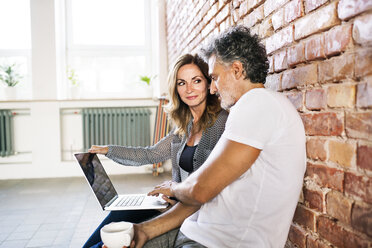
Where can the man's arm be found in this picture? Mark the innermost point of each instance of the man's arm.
(170, 220)
(227, 162)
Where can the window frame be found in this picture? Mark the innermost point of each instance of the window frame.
(106, 50)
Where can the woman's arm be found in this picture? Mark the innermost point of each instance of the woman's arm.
(136, 156)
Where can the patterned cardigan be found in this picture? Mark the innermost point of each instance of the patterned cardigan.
(171, 147)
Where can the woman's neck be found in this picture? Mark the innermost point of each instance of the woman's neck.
(197, 112)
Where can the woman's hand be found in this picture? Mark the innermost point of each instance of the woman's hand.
(165, 188)
(99, 149)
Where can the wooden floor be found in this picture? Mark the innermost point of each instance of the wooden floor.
(57, 212)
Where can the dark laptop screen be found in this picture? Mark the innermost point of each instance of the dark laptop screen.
(97, 177)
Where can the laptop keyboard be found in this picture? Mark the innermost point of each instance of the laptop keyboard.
(134, 200)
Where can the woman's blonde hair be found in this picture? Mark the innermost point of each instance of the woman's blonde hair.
(179, 112)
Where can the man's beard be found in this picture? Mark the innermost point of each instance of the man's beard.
(227, 102)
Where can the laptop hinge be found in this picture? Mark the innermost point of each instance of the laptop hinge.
(111, 201)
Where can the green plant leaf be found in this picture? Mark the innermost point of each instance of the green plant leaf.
(9, 75)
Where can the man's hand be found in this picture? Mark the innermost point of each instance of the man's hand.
(171, 202)
(98, 149)
(139, 239)
(166, 188)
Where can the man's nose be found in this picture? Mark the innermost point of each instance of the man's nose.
(213, 88)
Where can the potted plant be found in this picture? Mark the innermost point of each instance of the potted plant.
(74, 83)
(10, 77)
(147, 90)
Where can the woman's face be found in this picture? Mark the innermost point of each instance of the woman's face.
(192, 86)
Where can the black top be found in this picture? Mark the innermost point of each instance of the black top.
(186, 158)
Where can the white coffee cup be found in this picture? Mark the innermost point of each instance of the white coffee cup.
(117, 234)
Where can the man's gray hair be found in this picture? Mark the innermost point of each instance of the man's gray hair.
(237, 44)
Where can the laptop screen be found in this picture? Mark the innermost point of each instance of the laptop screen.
(96, 177)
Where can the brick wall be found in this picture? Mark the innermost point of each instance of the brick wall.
(320, 55)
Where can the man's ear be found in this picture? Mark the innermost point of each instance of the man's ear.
(238, 69)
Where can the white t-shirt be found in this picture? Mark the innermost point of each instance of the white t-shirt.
(257, 209)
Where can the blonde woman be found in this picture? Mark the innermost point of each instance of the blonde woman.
(199, 123)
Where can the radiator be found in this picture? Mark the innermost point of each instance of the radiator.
(6, 137)
(117, 126)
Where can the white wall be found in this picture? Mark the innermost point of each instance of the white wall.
(44, 136)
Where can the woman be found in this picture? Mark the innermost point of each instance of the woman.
(199, 122)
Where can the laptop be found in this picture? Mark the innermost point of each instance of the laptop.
(105, 192)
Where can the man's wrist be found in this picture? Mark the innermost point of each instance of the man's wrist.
(173, 189)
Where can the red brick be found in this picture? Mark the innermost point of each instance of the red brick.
(253, 3)
(296, 54)
(364, 95)
(313, 242)
(364, 157)
(243, 9)
(235, 15)
(363, 66)
(360, 186)
(337, 39)
(313, 4)
(273, 82)
(325, 176)
(339, 207)
(212, 12)
(271, 63)
(288, 244)
(300, 76)
(271, 5)
(293, 10)
(224, 25)
(278, 19)
(305, 217)
(338, 236)
(209, 28)
(315, 149)
(350, 8)
(254, 17)
(266, 28)
(279, 39)
(203, 11)
(316, 21)
(223, 14)
(314, 199)
(255, 30)
(359, 125)
(341, 96)
(315, 99)
(336, 68)
(223, 2)
(280, 61)
(296, 98)
(323, 124)
(342, 153)
(236, 3)
(361, 218)
(297, 236)
(362, 30)
(314, 48)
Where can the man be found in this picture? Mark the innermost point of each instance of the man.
(246, 192)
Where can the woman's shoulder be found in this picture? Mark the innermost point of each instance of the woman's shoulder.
(221, 119)
(222, 116)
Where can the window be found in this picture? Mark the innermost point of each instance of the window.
(15, 42)
(108, 46)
